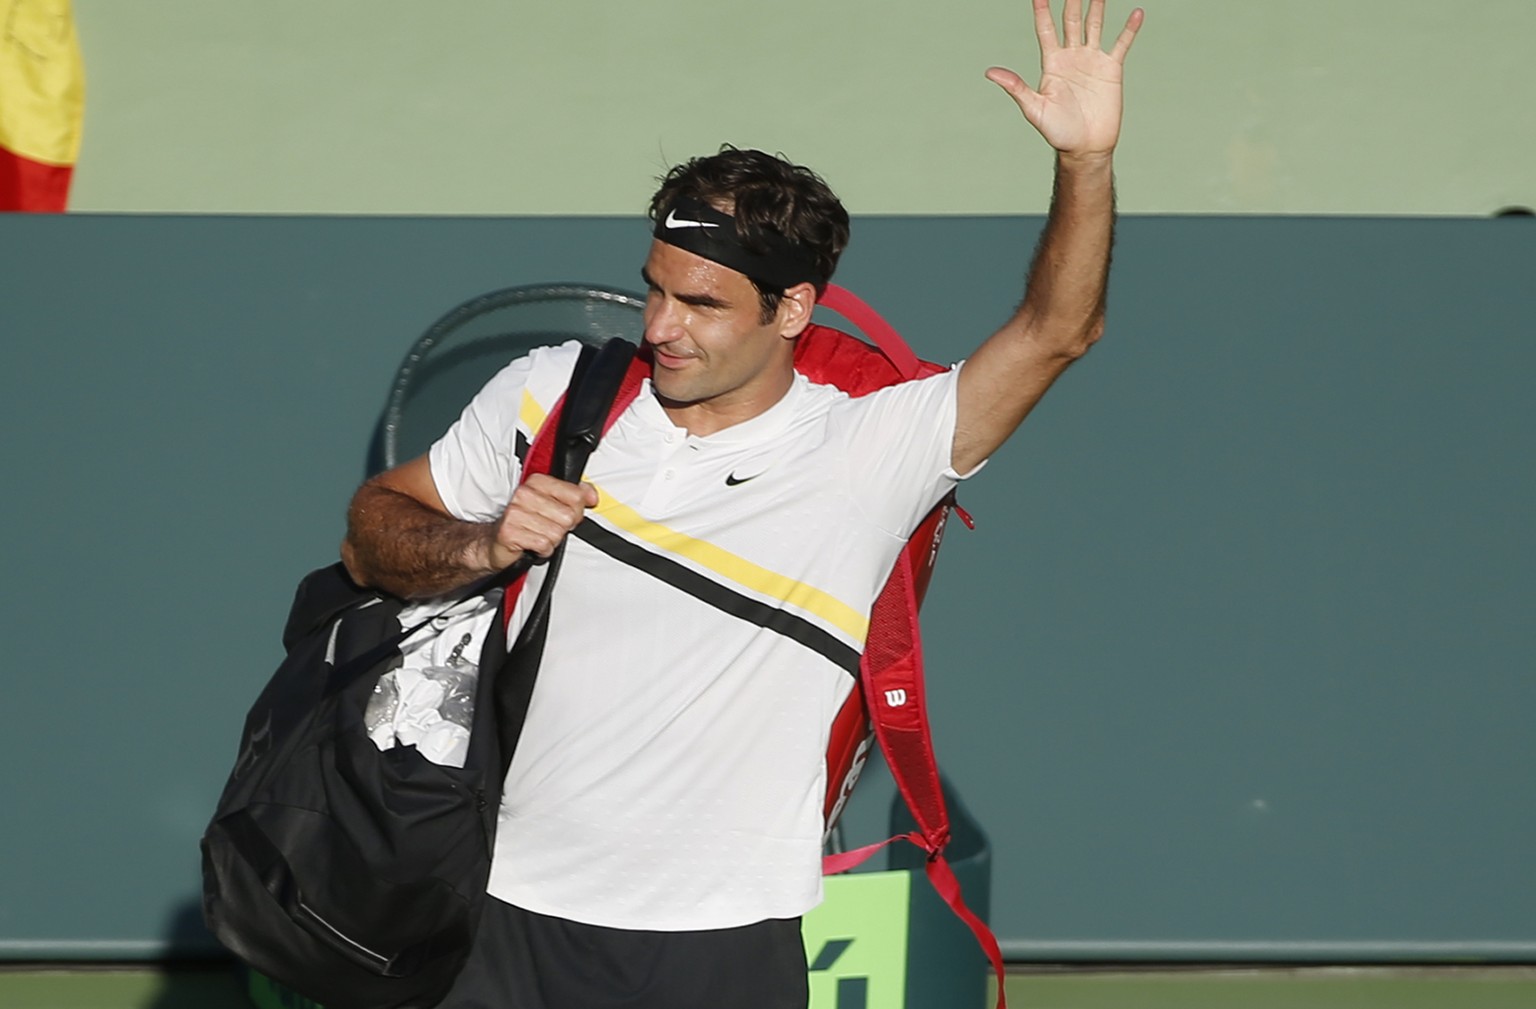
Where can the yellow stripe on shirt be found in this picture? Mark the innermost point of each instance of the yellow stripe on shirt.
(531, 414)
(743, 572)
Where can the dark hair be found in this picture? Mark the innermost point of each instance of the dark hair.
(763, 192)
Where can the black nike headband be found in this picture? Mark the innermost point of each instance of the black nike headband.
(696, 227)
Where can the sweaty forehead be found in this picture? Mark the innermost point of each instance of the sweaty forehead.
(680, 272)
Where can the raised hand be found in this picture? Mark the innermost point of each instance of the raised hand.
(1077, 104)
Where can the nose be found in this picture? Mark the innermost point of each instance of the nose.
(663, 321)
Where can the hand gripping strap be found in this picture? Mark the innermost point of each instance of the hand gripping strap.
(542, 451)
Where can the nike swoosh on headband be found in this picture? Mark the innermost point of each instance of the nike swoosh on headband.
(772, 261)
(673, 221)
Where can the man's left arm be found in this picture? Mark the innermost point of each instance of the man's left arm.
(1076, 108)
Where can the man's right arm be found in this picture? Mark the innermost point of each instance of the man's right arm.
(401, 537)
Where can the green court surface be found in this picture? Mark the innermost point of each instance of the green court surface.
(29, 987)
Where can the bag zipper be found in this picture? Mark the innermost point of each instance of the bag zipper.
(338, 933)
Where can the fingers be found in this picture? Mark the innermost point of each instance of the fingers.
(1128, 34)
(1026, 97)
(1006, 79)
(542, 511)
(1072, 23)
(1078, 31)
(1045, 27)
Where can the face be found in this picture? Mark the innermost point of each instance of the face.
(717, 362)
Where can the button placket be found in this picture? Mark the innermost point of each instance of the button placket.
(664, 485)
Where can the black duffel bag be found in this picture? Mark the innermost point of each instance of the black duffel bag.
(353, 875)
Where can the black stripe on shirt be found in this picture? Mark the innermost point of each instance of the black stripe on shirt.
(721, 598)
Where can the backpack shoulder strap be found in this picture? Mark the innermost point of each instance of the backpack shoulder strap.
(857, 311)
(891, 668)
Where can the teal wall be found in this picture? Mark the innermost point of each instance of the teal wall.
(492, 107)
(1238, 663)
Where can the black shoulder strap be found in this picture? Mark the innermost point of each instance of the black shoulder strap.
(578, 427)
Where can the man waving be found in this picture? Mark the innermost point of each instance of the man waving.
(661, 823)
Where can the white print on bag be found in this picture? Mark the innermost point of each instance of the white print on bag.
(895, 698)
(860, 758)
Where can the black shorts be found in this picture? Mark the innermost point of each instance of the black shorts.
(523, 960)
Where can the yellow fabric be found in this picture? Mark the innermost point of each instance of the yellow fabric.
(42, 81)
(532, 415)
(743, 572)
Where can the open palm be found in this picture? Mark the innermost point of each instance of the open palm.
(1077, 104)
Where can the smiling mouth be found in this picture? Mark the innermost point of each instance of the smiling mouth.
(668, 360)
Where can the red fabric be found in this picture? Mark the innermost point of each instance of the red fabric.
(943, 879)
(32, 186)
(853, 308)
(891, 669)
(831, 865)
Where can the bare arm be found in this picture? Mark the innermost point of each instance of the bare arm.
(1077, 110)
(402, 539)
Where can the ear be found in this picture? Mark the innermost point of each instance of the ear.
(795, 310)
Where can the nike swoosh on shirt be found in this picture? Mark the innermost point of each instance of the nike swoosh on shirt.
(733, 480)
(673, 221)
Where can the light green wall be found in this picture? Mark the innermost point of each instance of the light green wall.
(485, 107)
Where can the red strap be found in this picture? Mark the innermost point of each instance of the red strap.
(892, 675)
(943, 879)
(891, 668)
(853, 308)
(831, 865)
(945, 884)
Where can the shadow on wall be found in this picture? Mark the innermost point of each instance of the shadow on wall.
(202, 975)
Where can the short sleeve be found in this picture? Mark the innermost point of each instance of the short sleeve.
(898, 443)
(475, 464)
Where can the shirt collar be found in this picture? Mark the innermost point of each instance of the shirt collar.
(763, 427)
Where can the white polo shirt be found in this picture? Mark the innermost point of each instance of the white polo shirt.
(705, 629)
